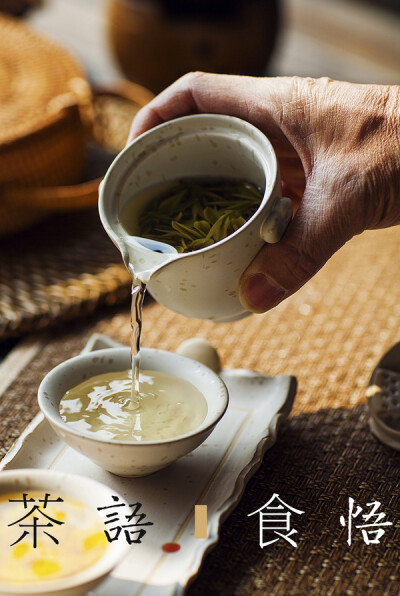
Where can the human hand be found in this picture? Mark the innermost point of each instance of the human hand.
(338, 147)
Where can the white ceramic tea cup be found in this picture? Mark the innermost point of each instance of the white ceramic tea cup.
(131, 458)
(202, 284)
(90, 493)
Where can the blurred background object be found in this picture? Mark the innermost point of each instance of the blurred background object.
(157, 41)
(354, 40)
(390, 4)
(57, 138)
(18, 8)
(44, 102)
(351, 40)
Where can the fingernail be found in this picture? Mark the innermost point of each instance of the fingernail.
(259, 294)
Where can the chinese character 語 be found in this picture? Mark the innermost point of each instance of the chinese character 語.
(119, 513)
(35, 506)
(276, 518)
(372, 530)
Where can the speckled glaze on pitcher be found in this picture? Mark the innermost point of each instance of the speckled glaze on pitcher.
(202, 284)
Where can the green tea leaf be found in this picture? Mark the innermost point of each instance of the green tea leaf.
(194, 214)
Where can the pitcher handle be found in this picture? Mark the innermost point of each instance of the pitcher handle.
(275, 225)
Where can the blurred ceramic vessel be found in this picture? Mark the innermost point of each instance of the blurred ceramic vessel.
(157, 41)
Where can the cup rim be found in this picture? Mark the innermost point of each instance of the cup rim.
(36, 479)
(56, 420)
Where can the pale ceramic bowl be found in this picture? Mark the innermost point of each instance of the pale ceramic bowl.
(82, 489)
(135, 458)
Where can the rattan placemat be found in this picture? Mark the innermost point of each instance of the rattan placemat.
(329, 335)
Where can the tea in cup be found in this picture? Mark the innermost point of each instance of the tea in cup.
(113, 448)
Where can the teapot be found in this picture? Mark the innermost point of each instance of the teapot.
(202, 284)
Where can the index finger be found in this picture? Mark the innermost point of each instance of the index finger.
(257, 100)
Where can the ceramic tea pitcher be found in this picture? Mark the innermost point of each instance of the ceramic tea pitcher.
(202, 284)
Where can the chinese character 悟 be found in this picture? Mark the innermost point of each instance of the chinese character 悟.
(372, 531)
(276, 518)
(35, 518)
(133, 531)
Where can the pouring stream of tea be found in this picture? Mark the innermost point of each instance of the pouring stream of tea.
(138, 292)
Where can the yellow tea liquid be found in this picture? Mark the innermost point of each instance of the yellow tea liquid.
(167, 406)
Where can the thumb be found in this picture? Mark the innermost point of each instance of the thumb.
(279, 270)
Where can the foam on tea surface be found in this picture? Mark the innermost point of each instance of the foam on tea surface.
(166, 406)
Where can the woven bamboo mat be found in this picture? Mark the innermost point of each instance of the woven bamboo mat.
(330, 335)
(61, 269)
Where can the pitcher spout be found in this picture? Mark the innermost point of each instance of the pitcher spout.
(144, 257)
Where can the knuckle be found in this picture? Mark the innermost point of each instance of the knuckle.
(193, 78)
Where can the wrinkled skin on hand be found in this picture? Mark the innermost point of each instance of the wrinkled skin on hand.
(338, 147)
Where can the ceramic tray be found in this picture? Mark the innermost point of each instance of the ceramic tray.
(215, 474)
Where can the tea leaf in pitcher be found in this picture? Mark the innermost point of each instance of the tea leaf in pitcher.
(171, 203)
(203, 226)
(210, 214)
(189, 232)
(193, 214)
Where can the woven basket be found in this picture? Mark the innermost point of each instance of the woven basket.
(46, 121)
(66, 266)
